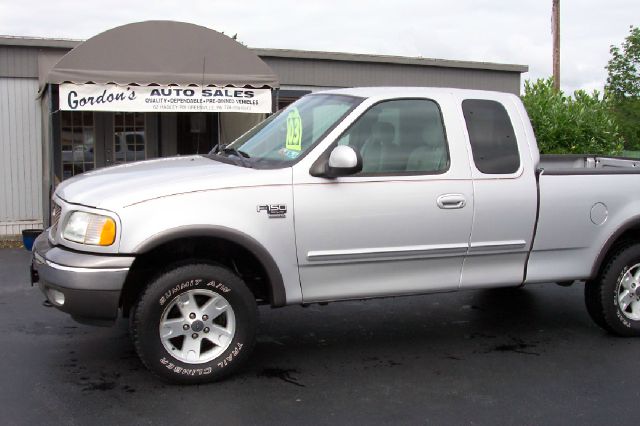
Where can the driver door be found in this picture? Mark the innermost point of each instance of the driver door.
(400, 226)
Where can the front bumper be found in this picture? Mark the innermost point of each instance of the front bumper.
(87, 286)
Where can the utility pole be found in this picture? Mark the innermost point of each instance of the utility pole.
(555, 24)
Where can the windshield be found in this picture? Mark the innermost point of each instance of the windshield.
(285, 136)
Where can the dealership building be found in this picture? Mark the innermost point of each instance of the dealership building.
(162, 88)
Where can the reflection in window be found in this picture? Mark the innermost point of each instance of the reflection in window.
(400, 136)
(288, 134)
(128, 137)
(78, 142)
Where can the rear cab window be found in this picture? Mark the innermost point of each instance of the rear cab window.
(493, 142)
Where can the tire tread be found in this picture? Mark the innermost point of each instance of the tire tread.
(136, 322)
(597, 292)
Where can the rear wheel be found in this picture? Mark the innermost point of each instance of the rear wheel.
(194, 324)
(613, 299)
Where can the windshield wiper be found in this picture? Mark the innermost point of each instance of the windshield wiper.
(235, 151)
(241, 155)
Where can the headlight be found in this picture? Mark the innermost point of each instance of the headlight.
(89, 228)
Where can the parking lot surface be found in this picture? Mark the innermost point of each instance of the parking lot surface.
(512, 356)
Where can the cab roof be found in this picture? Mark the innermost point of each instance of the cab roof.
(407, 92)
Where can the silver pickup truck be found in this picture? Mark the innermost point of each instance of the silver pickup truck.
(345, 194)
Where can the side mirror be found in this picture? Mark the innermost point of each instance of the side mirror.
(343, 161)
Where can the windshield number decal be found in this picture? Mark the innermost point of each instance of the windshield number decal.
(294, 131)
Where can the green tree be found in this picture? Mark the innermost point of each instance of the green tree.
(623, 87)
(582, 124)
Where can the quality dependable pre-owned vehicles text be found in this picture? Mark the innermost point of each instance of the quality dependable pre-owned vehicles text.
(345, 194)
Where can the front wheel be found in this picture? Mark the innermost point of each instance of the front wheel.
(613, 299)
(195, 324)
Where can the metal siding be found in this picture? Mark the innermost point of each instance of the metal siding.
(20, 156)
(18, 62)
(305, 72)
(387, 59)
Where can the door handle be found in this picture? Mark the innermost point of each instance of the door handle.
(451, 201)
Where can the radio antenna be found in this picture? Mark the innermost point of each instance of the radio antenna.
(204, 61)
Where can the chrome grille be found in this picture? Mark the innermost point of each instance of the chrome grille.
(55, 216)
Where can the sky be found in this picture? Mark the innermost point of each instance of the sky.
(516, 32)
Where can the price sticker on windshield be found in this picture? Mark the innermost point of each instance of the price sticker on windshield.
(294, 131)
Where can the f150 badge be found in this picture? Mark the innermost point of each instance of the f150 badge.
(273, 210)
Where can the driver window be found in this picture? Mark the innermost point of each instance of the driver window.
(400, 136)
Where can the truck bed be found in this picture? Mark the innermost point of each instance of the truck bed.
(572, 164)
(583, 200)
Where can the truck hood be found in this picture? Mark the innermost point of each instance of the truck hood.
(119, 186)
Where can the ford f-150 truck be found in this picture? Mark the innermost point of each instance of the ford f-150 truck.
(345, 194)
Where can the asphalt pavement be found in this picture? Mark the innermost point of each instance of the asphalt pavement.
(513, 356)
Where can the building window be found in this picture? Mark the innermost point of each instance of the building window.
(129, 143)
(77, 137)
(197, 132)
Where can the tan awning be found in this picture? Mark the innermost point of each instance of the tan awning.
(163, 53)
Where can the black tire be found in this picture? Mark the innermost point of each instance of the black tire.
(161, 298)
(593, 301)
(601, 294)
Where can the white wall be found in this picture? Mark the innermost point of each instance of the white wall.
(20, 156)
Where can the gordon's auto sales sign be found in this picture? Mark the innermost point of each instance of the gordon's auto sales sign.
(112, 97)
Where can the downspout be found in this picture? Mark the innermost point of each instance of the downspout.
(47, 160)
(275, 100)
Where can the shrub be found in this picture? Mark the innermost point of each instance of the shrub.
(623, 87)
(582, 124)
